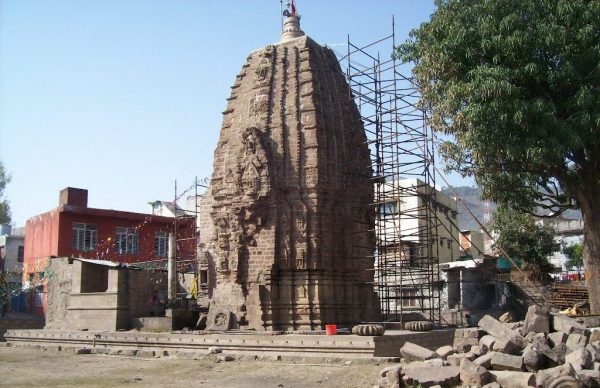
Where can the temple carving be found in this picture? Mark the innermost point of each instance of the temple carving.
(290, 239)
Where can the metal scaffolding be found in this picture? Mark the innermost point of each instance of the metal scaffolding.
(402, 154)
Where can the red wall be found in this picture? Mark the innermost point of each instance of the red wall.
(50, 234)
(41, 236)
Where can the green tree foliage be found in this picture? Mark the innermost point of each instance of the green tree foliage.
(574, 253)
(4, 206)
(517, 84)
(521, 237)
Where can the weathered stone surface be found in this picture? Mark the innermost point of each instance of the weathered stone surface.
(478, 350)
(219, 319)
(557, 358)
(508, 317)
(456, 359)
(471, 332)
(514, 379)
(576, 341)
(143, 353)
(83, 351)
(595, 335)
(414, 352)
(485, 360)
(473, 374)
(446, 376)
(537, 320)
(533, 360)
(546, 377)
(589, 378)
(281, 221)
(389, 369)
(594, 351)
(214, 350)
(488, 341)
(557, 338)
(445, 351)
(498, 330)
(567, 325)
(435, 362)
(504, 346)
(393, 376)
(225, 357)
(493, 384)
(579, 359)
(501, 361)
(462, 347)
(539, 339)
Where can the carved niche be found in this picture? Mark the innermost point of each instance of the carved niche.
(254, 170)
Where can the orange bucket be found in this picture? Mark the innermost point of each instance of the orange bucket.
(330, 329)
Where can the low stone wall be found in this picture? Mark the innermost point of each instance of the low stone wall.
(16, 324)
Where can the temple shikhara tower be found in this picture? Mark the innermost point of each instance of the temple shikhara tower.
(287, 229)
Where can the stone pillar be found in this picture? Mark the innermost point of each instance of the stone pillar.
(172, 269)
(116, 280)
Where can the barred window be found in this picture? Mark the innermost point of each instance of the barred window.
(161, 244)
(20, 253)
(126, 241)
(85, 237)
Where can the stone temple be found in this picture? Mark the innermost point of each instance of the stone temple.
(290, 242)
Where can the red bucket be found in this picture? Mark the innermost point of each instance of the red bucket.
(330, 329)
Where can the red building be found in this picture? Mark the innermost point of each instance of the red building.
(75, 230)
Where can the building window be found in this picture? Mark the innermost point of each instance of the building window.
(388, 209)
(20, 253)
(409, 297)
(126, 241)
(85, 237)
(161, 244)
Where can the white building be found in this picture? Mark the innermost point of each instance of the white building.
(12, 243)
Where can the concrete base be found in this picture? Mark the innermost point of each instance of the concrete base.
(242, 343)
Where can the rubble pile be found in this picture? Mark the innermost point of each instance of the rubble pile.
(544, 350)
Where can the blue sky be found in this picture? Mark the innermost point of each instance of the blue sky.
(122, 97)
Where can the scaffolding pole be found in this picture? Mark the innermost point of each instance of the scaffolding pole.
(402, 159)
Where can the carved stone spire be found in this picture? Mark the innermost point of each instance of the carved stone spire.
(291, 28)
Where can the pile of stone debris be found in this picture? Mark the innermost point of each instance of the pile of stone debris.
(544, 350)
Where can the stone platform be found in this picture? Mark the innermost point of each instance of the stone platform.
(257, 344)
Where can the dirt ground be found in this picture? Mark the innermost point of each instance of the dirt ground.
(24, 367)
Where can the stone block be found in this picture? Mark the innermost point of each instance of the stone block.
(214, 350)
(594, 351)
(579, 359)
(557, 338)
(589, 378)
(83, 351)
(145, 353)
(435, 362)
(392, 375)
(493, 384)
(498, 330)
(487, 340)
(225, 357)
(540, 338)
(507, 362)
(461, 342)
(473, 374)
(478, 350)
(445, 351)
(485, 360)
(537, 320)
(504, 346)
(567, 325)
(514, 379)
(456, 359)
(545, 377)
(446, 376)
(550, 353)
(576, 341)
(533, 360)
(508, 317)
(595, 335)
(414, 352)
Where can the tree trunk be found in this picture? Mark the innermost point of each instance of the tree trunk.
(589, 201)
